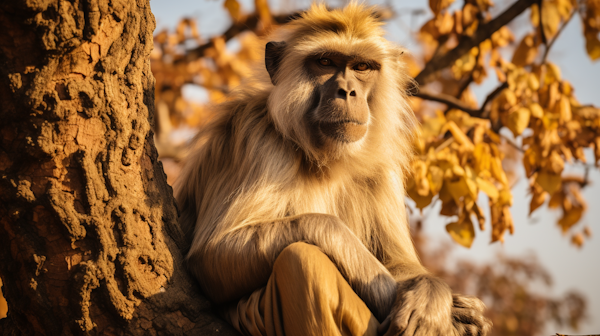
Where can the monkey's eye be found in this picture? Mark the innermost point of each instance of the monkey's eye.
(362, 67)
(325, 61)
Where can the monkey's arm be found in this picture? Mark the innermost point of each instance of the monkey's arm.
(240, 261)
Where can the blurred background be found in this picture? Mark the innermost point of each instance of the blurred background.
(541, 128)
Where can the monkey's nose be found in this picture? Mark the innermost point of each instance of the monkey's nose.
(344, 94)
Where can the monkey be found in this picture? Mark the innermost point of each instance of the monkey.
(307, 161)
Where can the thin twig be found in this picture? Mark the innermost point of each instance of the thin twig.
(549, 45)
(491, 96)
(541, 23)
(456, 103)
(510, 142)
(447, 99)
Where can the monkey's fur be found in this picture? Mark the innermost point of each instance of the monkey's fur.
(316, 149)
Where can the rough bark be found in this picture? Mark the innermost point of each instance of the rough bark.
(89, 239)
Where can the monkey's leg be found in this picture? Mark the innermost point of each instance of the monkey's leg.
(241, 261)
(305, 295)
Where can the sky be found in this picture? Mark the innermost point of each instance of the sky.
(570, 267)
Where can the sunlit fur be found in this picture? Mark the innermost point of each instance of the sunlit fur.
(264, 167)
(255, 182)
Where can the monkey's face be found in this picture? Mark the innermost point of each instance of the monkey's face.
(342, 87)
(326, 96)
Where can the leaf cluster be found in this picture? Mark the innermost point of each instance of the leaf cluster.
(461, 151)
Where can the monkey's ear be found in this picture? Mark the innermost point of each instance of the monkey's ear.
(273, 55)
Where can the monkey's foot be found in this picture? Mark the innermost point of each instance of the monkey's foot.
(423, 308)
(467, 316)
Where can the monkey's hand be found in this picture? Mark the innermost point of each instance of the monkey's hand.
(467, 316)
(423, 307)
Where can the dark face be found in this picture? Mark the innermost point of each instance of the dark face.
(343, 85)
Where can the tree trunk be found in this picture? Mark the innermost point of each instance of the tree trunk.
(89, 239)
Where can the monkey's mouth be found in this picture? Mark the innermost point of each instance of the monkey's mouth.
(346, 130)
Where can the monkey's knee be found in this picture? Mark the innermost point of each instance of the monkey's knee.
(304, 267)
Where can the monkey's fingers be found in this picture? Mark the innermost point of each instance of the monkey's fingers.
(399, 323)
(412, 327)
(470, 322)
(467, 301)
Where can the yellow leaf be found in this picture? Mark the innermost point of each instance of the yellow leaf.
(550, 19)
(554, 163)
(577, 239)
(532, 82)
(488, 188)
(566, 88)
(471, 183)
(459, 136)
(497, 171)
(592, 45)
(530, 161)
(436, 179)
(536, 110)
(550, 121)
(505, 197)
(480, 217)
(445, 195)
(458, 26)
(462, 232)
(449, 208)
(501, 221)
(552, 73)
(564, 8)
(438, 5)
(420, 176)
(535, 15)
(526, 51)
(233, 7)
(510, 97)
(464, 64)
(420, 201)
(570, 218)
(538, 197)
(262, 8)
(556, 200)
(444, 23)
(482, 155)
(518, 120)
(563, 109)
(549, 181)
(432, 126)
(469, 13)
(458, 188)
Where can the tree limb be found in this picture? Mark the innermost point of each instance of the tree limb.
(456, 103)
(248, 23)
(467, 42)
(449, 100)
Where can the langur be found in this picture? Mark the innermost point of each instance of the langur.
(300, 176)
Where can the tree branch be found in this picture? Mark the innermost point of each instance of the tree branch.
(467, 42)
(456, 103)
(449, 100)
(248, 23)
